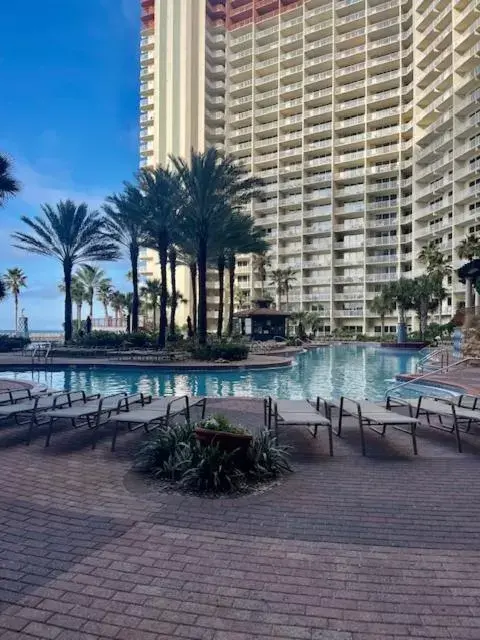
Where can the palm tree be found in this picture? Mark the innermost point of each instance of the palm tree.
(241, 298)
(289, 276)
(469, 248)
(72, 235)
(15, 280)
(277, 280)
(400, 293)
(211, 187)
(125, 215)
(104, 293)
(382, 305)
(172, 259)
(160, 190)
(315, 321)
(78, 298)
(92, 279)
(437, 268)
(127, 303)
(152, 291)
(425, 297)
(261, 262)
(117, 303)
(8, 185)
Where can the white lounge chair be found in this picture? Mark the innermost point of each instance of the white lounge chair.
(32, 411)
(428, 406)
(370, 413)
(298, 413)
(92, 413)
(157, 414)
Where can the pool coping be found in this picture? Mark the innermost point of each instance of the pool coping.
(437, 383)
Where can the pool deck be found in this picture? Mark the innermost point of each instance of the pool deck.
(465, 380)
(346, 548)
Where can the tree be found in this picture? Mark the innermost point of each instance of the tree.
(289, 276)
(425, 298)
(469, 248)
(15, 280)
(277, 280)
(117, 303)
(72, 235)
(125, 216)
(3, 290)
(261, 262)
(241, 298)
(172, 259)
(382, 305)
(8, 185)
(152, 291)
(400, 293)
(104, 293)
(92, 279)
(160, 190)
(315, 321)
(78, 298)
(127, 303)
(211, 188)
(437, 267)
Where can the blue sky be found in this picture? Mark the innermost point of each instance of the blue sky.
(69, 78)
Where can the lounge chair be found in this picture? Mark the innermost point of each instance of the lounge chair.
(93, 413)
(157, 414)
(298, 413)
(32, 411)
(428, 406)
(369, 413)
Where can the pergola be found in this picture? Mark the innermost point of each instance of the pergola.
(468, 274)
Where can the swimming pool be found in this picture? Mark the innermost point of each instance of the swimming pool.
(356, 371)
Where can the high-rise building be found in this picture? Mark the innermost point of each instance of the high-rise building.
(362, 117)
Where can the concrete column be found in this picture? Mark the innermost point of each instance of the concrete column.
(477, 303)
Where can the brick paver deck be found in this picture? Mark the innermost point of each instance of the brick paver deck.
(382, 548)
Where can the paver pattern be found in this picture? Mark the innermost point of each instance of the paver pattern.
(381, 548)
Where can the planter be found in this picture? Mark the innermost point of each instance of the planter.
(225, 440)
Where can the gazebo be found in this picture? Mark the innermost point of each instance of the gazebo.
(469, 274)
(261, 322)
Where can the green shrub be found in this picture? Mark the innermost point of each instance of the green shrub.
(222, 424)
(231, 351)
(137, 340)
(12, 343)
(175, 454)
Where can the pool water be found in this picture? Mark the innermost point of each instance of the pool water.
(356, 371)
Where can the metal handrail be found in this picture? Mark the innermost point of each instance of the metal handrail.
(426, 375)
(443, 352)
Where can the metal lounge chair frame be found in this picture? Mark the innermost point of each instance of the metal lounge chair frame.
(368, 417)
(158, 414)
(312, 416)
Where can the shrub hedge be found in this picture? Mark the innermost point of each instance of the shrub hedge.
(12, 343)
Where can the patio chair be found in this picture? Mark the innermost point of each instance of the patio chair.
(158, 414)
(93, 413)
(32, 411)
(297, 413)
(369, 414)
(427, 406)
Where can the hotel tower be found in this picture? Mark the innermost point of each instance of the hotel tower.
(361, 116)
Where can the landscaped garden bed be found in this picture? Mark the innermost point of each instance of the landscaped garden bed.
(204, 458)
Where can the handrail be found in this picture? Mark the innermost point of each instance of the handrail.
(426, 375)
(430, 356)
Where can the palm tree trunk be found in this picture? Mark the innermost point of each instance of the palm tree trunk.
(202, 294)
(135, 299)
(173, 283)
(231, 302)
(67, 277)
(193, 280)
(79, 315)
(16, 311)
(162, 331)
(105, 307)
(382, 326)
(221, 294)
(155, 305)
(90, 302)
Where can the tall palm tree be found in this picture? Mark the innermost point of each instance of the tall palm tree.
(104, 293)
(72, 235)
(125, 215)
(211, 187)
(261, 262)
(152, 291)
(15, 280)
(127, 303)
(186, 256)
(8, 185)
(469, 248)
(78, 298)
(117, 303)
(92, 279)
(289, 277)
(160, 190)
(382, 305)
(172, 259)
(277, 280)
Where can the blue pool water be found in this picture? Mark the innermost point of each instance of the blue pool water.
(351, 370)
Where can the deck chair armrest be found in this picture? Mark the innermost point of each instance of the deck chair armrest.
(93, 396)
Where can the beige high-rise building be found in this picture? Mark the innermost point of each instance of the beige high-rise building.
(362, 117)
